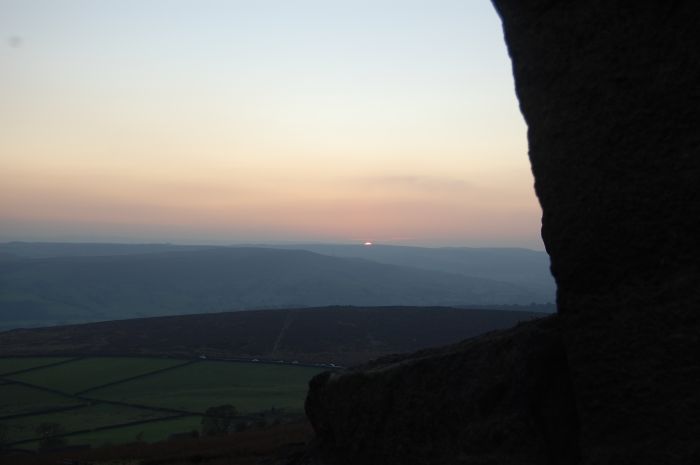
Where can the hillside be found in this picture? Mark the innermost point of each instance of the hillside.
(74, 289)
(525, 268)
(340, 335)
(20, 249)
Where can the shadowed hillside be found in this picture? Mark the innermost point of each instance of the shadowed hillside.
(525, 268)
(70, 289)
(340, 335)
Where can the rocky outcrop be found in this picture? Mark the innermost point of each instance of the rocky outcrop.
(610, 91)
(497, 399)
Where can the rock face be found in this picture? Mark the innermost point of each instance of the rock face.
(610, 91)
(497, 399)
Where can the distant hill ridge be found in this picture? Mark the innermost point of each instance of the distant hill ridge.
(44, 284)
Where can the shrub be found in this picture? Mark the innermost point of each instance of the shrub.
(218, 420)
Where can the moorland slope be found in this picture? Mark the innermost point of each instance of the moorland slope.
(339, 335)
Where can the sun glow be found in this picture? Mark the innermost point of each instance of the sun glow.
(249, 122)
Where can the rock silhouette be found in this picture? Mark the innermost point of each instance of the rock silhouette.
(610, 91)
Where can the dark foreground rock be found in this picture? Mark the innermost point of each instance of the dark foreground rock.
(610, 90)
(501, 398)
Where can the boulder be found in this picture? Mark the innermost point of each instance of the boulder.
(501, 398)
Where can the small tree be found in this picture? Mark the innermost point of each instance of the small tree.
(49, 436)
(218, 420)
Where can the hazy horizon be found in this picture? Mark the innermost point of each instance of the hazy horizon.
(237, 122)
(254, 243)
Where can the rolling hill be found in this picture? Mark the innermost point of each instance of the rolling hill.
(72, 289)
(340, 335)
(526, 268)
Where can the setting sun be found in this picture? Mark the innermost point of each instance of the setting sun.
(261, 124)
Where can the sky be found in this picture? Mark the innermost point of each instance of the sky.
(239, 121)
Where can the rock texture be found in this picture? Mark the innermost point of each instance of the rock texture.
(610, 91)
(497, 399)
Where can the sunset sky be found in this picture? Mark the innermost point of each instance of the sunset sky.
(207, 121)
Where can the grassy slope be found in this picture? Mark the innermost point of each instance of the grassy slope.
(147, 432)
(16, 399)
(94, 416)
(249, 387)
(83, 374)
(10, 365)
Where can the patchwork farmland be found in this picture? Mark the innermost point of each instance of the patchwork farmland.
(112, 400)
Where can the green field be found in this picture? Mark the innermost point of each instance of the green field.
(16, 399)
(251, 387)
(86, 373)
(148, 432)
(10, 365)
(88, 417)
